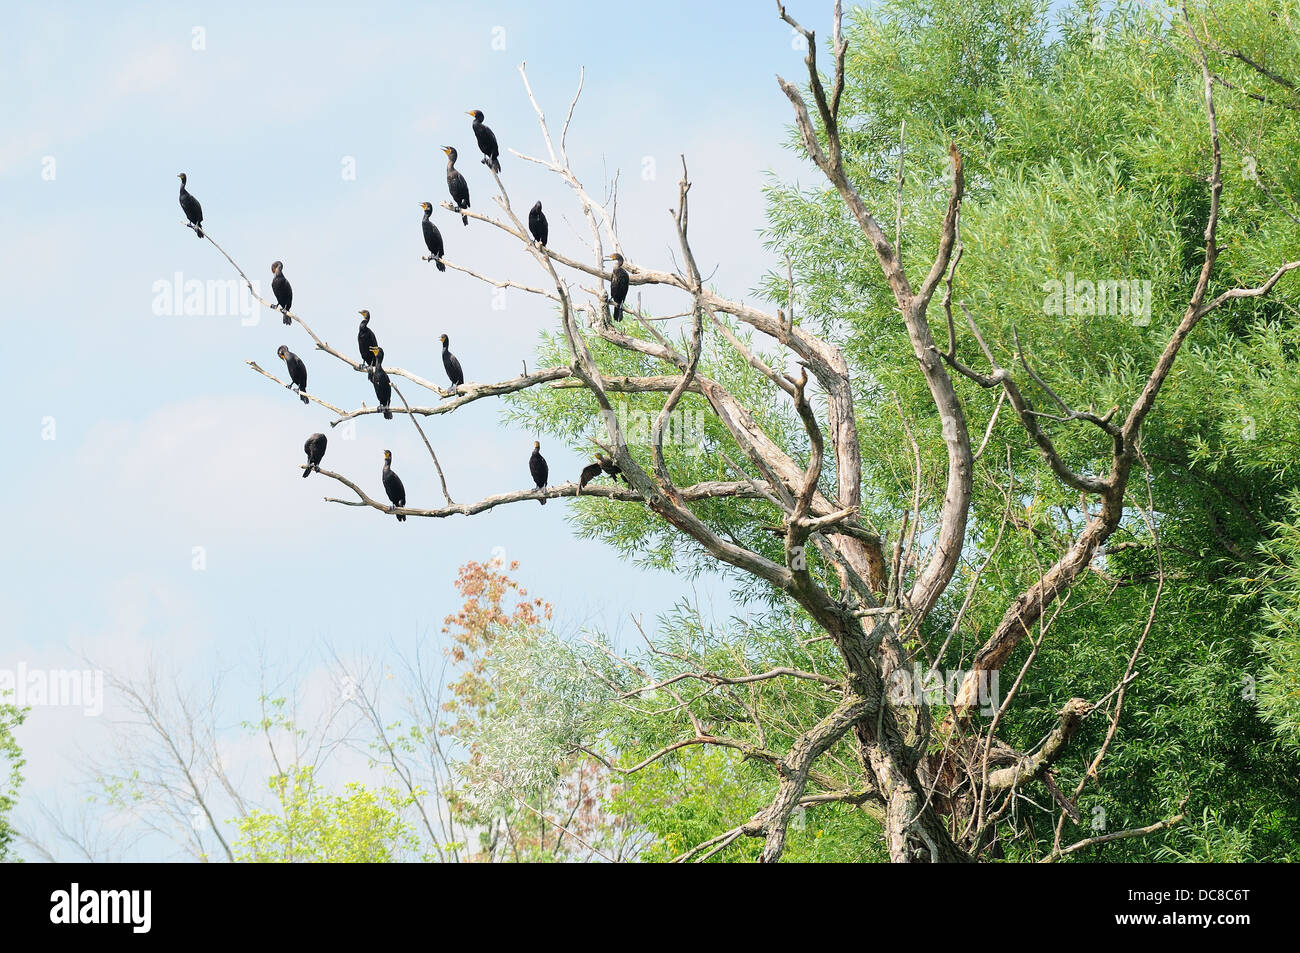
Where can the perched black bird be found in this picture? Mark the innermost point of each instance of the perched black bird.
(432, 238)
(451, 365)
(538, 468)
(487, 141)
(618, 285)
(379, 377)
(283, 292)
(366, 340)
(456, 184)
(393, 485)
(315, 450)
(589, 473)
(537, 225)
(191, 207)
(297, 370)
(610, 467)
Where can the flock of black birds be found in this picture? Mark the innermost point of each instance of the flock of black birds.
(372, 355)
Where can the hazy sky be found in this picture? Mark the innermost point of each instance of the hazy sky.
(134, 437)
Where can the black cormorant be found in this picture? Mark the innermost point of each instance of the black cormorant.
(618, 283)
(366, 340)
(610, 467)
(379, 377)
(456, 184)
(537, 225)
(451, 365)
(297, 370)
(283, 293)
(432, 238)
(487, 141)
(393, 485)
(315, 450)
(589, 473)
(538, 468)
(191, 207)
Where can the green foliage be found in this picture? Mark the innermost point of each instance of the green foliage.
(1278, 642)
(11, 764)
(359, 826)
(606, 702)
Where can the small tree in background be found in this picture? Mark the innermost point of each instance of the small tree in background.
(522, 807)
(11, 775)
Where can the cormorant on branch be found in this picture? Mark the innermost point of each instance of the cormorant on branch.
(537, 225)
(538, 468)
(432, 237)
(393, 485)
(487, 141)
(451, 365)
(283, 292)
(383, 386)
(315, 450)
(297, 370)
(456, 184)
(618, 283)
(611, 468)
(191, 207)
(366, 340)
(589, 473)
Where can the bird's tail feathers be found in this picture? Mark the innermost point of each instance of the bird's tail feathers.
(388, 414)
(304, 398)
(441, 266)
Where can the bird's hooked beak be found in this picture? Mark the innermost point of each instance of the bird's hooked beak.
(470, 112)
(374, 351)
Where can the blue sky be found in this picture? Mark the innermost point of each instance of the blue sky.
(164, 441)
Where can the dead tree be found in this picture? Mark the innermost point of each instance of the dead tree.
(933, 807)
